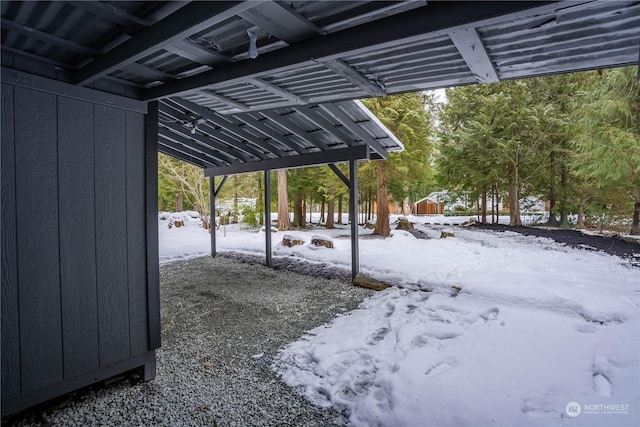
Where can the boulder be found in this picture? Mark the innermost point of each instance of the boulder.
(291, 240)
(320, 240)
(445, 234)
(404, 224)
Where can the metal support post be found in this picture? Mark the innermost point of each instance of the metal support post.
(212, 214)
(353, 210)
(213, 193)
(267, 216)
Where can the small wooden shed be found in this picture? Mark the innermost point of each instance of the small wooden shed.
(427, 206)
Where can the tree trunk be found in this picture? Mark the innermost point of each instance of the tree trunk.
(283, 201)
(484, 207)
(340, 209)
(260, 201)
(330, 208)
(179, 199)
(298, 214)
(564, 177)
(494, 206)
(406, 206)
(583, 201)
(235, 199)
(366, 211)
(322, 219)
(553, 220)
(635, 225)
(382, 227)
(514, 200)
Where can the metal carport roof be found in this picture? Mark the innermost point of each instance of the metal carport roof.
(274, 139)
(312, 52)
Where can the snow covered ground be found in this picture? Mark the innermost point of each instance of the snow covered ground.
(488, 329)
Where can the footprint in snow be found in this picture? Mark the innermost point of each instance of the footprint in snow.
(390, 309)
(439, 368)
(602, 385)
(377, 336)
(538, 406)
(588, 328)
(490, 314)
(433, 339)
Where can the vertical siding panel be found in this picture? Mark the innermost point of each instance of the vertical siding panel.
(77, 236)
(111, 229)
(38, 238)
(10, 325)
(136, 243)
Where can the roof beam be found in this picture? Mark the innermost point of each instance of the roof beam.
(203, 153)
(192, 18)
(281, 21)
(228, 144)
(322, 123)
(228, 125)
(473, 52)
(119, 16)
(354, 128)
(292, 127)
(208, 146)
(198, 54)
(276, 90)
(261, 127)
(148, 72)
(49, 38)
(360, 152)
(428, 21)
(187, 158)
(354, 77)
(224, 100)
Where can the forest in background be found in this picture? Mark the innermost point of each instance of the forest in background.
(572, 140)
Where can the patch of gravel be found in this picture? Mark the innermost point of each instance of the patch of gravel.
(223, 321)
(295, 265)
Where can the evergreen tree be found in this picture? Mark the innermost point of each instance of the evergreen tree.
(607, 134)
(407, 117)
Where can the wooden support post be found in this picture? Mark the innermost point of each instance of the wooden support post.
(267, 216)
(353, 210)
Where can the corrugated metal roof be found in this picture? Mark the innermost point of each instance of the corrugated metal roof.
(429, 45)
(306, 53)
(197, 135)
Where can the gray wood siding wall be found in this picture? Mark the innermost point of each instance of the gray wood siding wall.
(74, 249)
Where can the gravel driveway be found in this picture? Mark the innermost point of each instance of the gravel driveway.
(223, 321)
